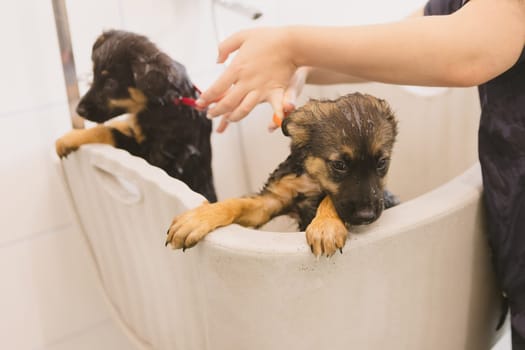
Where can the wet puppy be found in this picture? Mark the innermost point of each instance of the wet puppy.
(333, 177)
(131, 75)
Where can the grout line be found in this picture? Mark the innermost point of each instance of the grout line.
(37, 108)
(35, 235)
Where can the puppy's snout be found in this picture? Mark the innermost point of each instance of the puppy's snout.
(82, 110)
(358, 214)
(364, 216)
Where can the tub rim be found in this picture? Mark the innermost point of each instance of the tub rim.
(444, 200)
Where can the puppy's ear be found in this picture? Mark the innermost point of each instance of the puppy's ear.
(389, 115)
(150, 78)
(102, 39)
(288, 124)
(297, 127)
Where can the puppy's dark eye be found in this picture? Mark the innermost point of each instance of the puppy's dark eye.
(110, 85)
(382, 165)
(338, 165)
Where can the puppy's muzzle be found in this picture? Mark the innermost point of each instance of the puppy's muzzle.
(359, 214)
(82, 110)
(364, 216)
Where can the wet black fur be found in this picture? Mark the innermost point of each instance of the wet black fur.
(362, 176)
(176, 138)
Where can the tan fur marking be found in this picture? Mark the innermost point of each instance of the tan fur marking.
(135, 104)
(349, 151)
(289, 186)
(298, 133)
(378, 142)
(129, 127)
(325, 110)
(139, 136)
(316, 167)
(189, 228)
(319, 109)
(327, 232)
(257, 211)
(78, 137)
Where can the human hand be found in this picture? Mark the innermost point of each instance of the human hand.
(294, 89)
(291, 93)
(260, 71)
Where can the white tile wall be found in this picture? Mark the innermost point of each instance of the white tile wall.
(49, 290)
(29, 59)
(49, 294)
(38, 199)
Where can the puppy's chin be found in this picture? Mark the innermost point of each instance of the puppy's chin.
(95, 119)
(102, 116)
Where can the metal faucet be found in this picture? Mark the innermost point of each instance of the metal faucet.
(240, 7)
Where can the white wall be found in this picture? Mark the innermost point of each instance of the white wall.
(49, 295)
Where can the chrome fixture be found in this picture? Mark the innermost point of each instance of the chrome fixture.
(68, 61)
(240, 7)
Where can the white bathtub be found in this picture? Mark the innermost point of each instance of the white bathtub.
(419, 278)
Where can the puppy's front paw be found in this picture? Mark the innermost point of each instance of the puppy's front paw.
(67, 143)
(189, 228)
(326, 235)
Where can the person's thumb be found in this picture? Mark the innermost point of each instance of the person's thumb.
(289, 100)
(276, 101)
(229, 45)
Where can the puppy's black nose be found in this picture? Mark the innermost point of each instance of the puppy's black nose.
(364, 216)
(81, 110)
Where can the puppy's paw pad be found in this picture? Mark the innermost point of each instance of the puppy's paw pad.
(326, 236)
(189, 228)
(68, 143)
(63, 148)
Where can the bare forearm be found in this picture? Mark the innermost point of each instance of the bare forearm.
(320, 76)
(470, 47)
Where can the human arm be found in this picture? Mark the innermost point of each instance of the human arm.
(321, 76)
(471, 46)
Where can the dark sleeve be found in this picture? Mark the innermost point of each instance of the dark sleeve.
(442, 7)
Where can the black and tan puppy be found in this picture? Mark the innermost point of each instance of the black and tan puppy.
(131, 75)
(334, 177)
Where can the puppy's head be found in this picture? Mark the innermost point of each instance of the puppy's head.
(129, 73)
(347, 144)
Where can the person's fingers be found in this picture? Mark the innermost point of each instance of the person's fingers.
(229, 45)
(223, 124)
(287, 108)
(276, 101)
(294, 89)
(289, 99)
(272, 126)
(248, 103)
(217, 90)
(228, 77)
(276, 124)
(228, 103)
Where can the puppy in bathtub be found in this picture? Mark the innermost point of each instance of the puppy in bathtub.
(132, 76)
(333, 177)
